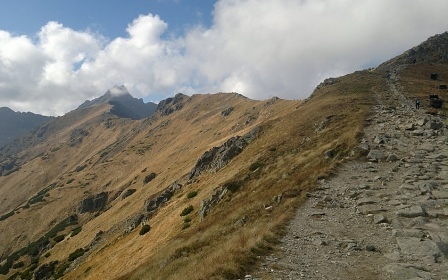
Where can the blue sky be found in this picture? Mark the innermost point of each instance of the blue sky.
(56, 54)
(108, 17)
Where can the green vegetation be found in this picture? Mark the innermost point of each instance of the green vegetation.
(18, 265)
(75, 231)
(59, 238)
(69, 181)
(233, 186)
(7, 215)
(192, 194)
(187, 211)
(254, 166)
(144, 229)
(187, 219)
(76, 254)
(80, 168)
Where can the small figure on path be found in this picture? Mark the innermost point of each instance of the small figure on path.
(417, 103)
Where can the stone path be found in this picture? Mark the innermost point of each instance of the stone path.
(383, 218)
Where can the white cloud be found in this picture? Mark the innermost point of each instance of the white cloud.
(260, 48)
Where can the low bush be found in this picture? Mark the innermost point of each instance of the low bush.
(144, 229)
(192, 194)
(59, 238)
(76, 254)
(75, 231)
(187, 211)
(254, 166)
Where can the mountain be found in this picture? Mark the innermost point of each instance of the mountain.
(201, 189)
(16, 124)
(124, 105)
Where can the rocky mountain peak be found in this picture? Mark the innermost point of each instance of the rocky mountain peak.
(430, 51)
(124, 104)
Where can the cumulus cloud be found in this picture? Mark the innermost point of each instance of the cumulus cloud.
(260, 48)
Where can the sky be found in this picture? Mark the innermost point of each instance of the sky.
(56, 54)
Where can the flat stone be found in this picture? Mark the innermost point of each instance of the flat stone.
(411, 212)
(379, 218)
(400, 271)
(371, 209)
(440, 194)
(376, 155)
(367, 200)
(415, 233)
(416, 247)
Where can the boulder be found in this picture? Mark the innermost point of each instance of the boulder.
(93, 203)
(218, 157)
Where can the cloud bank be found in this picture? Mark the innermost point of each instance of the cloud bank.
(259, 48)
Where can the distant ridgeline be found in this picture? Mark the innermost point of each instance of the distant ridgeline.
(16, 124)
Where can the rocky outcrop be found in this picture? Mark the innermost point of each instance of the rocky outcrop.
(172, 104)
(8, 166)
(218, 157)
(93, 203)
(153, 203)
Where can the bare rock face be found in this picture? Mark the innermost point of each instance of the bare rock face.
(171, 105)
(93, 203)
(152, 204)
(218, 157)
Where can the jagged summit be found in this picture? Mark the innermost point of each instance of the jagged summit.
(124, 104)
(433, 50)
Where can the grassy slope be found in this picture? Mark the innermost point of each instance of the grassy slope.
(289, 148)
(220, 247)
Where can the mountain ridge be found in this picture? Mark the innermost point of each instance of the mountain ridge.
(253, 163)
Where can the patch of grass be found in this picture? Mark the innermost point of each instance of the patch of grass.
(187, 211)
(76, 254)
(192, 194)
(59, 238)
(254, 166)
(75, 231)
(7, 215)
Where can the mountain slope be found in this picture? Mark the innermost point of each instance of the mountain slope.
(16, 124)
(215, 176)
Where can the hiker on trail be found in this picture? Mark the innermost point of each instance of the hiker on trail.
(417, 104)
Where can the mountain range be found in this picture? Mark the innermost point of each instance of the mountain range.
(196, 187)
(16, 124)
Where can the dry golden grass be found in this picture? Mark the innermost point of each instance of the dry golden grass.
(294, 136)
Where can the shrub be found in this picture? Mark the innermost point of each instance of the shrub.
(233, 186)
(187, 220)
(80, 168)
(187, 211)
(144, 229)
(59, 238)
(69, 181)
(76, 231)
(18, 265)
(76, 254)
(254, 166)
(149, 178)
(192, 194)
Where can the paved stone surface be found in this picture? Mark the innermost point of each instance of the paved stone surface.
(382, 218)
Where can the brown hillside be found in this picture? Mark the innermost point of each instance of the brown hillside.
(96, 168)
